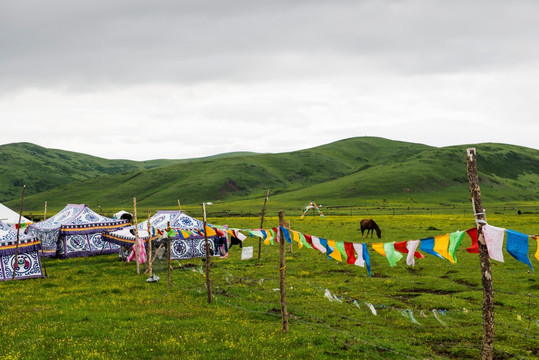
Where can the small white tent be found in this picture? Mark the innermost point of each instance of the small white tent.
(11, 218)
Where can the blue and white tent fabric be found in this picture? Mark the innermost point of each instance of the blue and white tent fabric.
(182, 247)
(177, 219)
(28, 261)
(76, 231)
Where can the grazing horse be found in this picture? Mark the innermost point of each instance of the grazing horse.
(370, 226)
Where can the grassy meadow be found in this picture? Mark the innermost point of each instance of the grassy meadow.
(98, 308)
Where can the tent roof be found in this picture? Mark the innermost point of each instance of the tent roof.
(176, 218)
(76, 215)
(9, 216)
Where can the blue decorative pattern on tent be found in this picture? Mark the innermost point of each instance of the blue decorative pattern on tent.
(28, 263)
(29, 266)
(176, 219)
(76, 231)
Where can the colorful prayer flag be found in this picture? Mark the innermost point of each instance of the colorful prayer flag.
(427, 245)
(494, 240)
(517, 245)
(474, 249)
(441, 246)
(455, 239)
(392, 256)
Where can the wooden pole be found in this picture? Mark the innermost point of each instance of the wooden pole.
(262, 223)
(16, 264)
(179, 205)
(208, 283)
(168, 255)
(149, 245)
(282, 271)
(487, 347)
(136, 234)
(40, 241)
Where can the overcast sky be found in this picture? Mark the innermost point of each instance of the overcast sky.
(139, 79)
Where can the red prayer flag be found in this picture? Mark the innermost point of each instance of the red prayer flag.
(474, 249)
(401, 247)
(349, 248)
(309, 240)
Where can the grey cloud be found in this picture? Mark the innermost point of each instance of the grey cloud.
(103, 43)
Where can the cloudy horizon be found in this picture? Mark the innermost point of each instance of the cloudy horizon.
(178, 79)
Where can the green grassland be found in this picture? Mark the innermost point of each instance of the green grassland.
(98, 308)
(351, 172)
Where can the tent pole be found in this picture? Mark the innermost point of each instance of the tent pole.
(168, 255)
(179, 205)
(262, 223)
(149, 245)
(41, 242)
(208, 283)
(16, 264)
(136, 234)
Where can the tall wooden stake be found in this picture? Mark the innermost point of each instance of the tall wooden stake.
(208, 283)
(40, 241)
(179, 205)
(282, 271)
(262, 223)
(16, 264)
(168, 256)
(136, 234)
(487, 347)
(149, 244)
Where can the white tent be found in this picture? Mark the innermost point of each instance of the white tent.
(11, 218)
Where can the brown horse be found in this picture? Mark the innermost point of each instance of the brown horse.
(370, 225)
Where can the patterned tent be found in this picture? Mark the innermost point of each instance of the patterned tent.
(183, 245)
(76, 231)
(28, 263)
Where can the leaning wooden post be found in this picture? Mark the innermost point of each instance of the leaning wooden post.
(208, 284)
(40, 241)
(149, 244)
(16, 264)
(179, 205)
(487, 347)
(262, 223)
(168, 255)
(282, 271)
(136, 235)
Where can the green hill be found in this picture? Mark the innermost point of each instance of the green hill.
(340, 172)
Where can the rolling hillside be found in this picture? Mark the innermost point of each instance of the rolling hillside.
(343, 171)
(42, 169)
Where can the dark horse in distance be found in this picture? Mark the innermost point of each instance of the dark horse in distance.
(370, 226)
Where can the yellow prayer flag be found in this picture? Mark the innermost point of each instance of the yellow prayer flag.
(441, 246)
(379, 248)
(335, 254)
(210, 231)
(295, 237)
(537, 253)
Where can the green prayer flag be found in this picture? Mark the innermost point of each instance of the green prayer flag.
(392, 255)
(454, 242)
